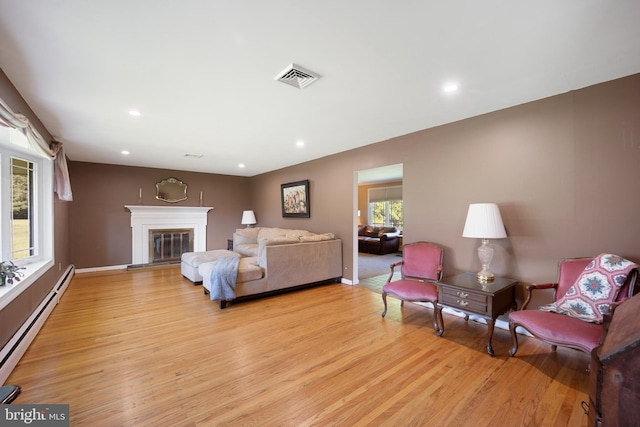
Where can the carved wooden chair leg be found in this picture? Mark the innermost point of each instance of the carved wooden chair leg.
(437, 313)
(384, 299)
(438, 323)
(514, 339)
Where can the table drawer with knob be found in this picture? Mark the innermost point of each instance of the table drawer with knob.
(465, 300)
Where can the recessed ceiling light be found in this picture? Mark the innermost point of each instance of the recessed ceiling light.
(124, 152)
(241, 165)
(450, 87)
(300, 143)
(134, 113)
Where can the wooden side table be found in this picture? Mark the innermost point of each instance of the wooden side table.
(464, 293)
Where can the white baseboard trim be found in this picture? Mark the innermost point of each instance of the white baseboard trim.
(18, 344)
(499, 323)
(94, 269)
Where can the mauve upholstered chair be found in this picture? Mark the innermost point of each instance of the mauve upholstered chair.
(421, 266)
(560, 329)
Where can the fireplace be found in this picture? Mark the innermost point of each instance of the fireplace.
(169, 245)
(169, 220)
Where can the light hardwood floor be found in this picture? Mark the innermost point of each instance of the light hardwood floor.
(147, 348)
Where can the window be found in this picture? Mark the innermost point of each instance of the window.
(22, 215)
(385, 206)
(26, 218)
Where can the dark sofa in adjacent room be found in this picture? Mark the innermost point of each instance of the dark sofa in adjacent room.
(378, 240)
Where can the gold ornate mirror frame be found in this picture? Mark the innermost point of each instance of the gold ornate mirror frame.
(171, 190)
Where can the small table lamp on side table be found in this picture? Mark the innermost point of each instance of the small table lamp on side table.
(248, 219)
(484, 222)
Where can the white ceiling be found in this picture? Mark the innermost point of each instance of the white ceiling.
(381, 174)
(201, 72)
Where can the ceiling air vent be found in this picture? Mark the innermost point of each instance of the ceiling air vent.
(297, 76)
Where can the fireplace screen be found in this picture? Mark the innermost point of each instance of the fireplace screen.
(169, 245)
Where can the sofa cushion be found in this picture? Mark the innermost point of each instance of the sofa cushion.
(247, 250)
(269, 232)
(297, 234)
(384, 230)
(283, 240)
(559, 329)
(248, 270)
(190, 261)
(194, 259)
(317, 237)
(371, 231)
(244, 236)
(590, 297)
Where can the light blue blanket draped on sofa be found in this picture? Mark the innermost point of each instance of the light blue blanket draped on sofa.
(223, 278)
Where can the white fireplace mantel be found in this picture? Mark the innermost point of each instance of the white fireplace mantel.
(145, 218)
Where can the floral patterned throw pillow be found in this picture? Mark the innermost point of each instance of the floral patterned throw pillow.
(590, 297)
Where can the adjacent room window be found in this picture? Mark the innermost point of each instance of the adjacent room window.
(385, 206)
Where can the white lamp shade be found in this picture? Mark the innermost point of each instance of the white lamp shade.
(248, 218)
(484, 222)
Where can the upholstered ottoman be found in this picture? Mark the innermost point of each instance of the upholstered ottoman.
(190, 262)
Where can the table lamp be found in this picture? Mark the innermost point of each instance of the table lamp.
(484, 222)
(248, 218)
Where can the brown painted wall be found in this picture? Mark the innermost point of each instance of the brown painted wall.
(14, 314)
(101, 226)
(564, 171)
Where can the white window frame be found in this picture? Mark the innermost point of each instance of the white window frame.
(13, 143)
(395, 190)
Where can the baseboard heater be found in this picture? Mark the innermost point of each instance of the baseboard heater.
(16, 347)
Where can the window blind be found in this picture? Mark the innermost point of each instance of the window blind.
(385, 194)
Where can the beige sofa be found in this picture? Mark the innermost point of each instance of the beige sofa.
(277, 259)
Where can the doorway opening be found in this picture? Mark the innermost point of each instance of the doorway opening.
(378, 196)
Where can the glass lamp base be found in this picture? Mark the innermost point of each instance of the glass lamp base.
(485, 253)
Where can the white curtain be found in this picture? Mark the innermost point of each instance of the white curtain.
(55, 151)
(61, 173)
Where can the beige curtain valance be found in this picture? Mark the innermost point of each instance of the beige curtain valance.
(54, 151)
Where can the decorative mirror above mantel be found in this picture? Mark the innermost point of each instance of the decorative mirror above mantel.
(171, 190)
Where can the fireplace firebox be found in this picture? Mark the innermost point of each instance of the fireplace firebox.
(169, 245)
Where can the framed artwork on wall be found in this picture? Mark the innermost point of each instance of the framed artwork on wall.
(295, 199)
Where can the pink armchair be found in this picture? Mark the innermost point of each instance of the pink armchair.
(421, 266)
(560, 329)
